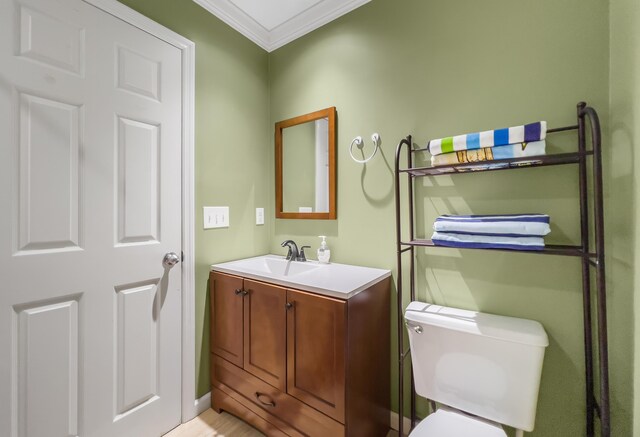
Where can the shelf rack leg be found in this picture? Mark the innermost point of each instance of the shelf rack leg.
(603, 344)
(399, 300)
(412, 275)
(586, 275)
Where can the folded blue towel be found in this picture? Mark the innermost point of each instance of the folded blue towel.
(516, 225)
(451, 239)
(491, 138)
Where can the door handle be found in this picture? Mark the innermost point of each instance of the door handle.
(170, 259)
(259, 395)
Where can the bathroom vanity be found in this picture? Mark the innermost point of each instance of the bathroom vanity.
(301, 348)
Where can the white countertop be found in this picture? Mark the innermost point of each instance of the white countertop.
(336, 280)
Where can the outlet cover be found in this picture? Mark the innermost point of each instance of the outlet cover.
(259, 216)
(216, 217)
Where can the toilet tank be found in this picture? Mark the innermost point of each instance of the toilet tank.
(482, 364)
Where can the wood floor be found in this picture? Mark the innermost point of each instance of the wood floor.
(212, 424)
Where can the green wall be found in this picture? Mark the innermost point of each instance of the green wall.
(439, 67)
(232, 145)
(625, 168)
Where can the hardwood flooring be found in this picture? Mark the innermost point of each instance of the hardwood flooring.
(212, 424)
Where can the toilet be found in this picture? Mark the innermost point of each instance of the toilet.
(483, 370)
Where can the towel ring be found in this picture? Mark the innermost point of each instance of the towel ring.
(358, 142)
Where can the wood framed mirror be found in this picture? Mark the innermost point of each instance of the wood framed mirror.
(306, 166)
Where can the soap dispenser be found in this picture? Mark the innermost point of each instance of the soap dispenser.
(323, 251)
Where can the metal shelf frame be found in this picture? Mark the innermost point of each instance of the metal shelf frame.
(592, 256)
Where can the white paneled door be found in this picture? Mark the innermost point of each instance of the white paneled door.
(90, 203)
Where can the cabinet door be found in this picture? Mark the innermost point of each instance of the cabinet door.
(265, 333)
(226, 317)
(316, 346)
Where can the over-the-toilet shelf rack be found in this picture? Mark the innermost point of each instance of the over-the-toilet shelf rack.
(590, 258)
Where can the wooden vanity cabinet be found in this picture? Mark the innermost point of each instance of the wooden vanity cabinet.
(226, 326)
(316, 351)
(265, 332)
(303, 364)
(248, 326)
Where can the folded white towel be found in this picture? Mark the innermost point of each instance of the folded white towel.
(536, 225)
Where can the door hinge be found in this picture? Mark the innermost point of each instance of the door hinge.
(182, 256)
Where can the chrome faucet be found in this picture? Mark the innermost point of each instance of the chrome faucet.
(292, 254)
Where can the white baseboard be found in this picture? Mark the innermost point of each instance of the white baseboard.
(395, 423)
(203, 404)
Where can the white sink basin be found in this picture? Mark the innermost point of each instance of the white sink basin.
(337, 280)
(275, 266)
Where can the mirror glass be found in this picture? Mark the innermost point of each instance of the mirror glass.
(305, 166)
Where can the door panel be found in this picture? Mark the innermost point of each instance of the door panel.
(138, 181)
(316, 351)
(226, 317)
(137, 342)
(138, 74)
(265, 332)
(47, 333)
(90, 177)
(49, 144)
(50, 41)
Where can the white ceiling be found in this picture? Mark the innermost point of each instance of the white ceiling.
(274, 23)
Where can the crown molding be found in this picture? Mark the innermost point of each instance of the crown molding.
(237, 19)
(316, 16)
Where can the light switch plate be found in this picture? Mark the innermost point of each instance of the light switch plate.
(216, 217)
(259, 216)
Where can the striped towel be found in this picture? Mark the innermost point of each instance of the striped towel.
(499, 137)
(487, 242)
(519, 150)
(510, 225)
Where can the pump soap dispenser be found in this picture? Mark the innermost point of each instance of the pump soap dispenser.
(323, 251)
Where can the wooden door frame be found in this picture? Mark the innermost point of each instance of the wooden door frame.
(191, 406)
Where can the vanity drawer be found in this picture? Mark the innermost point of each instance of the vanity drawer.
(287, 408)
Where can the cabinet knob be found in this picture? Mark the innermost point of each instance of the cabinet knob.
(288, 305)
(238, 291)
(259, 397)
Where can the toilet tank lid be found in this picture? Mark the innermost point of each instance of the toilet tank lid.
(505, 328)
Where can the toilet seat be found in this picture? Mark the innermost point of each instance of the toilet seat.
(447, 422)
